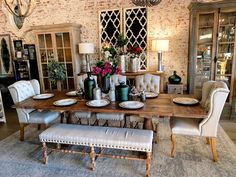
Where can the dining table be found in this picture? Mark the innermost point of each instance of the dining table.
(162, 106)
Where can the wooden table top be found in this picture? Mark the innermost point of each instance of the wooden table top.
(162, 106)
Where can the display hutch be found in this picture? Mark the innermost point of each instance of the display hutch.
(58, 42)
(212, 44)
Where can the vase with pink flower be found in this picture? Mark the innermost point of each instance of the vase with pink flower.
(104, 70)
(134, 53)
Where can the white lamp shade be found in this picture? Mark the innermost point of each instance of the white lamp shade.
(86, 48)
(160, 45)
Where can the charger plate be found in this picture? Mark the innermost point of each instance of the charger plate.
(131, 104)
(43, 96)
(65, 102)
(71, 93)
(151, 94)
(185, 101)
(98, 103)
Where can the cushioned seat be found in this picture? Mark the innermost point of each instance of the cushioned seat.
(185, 126)
(42, 117)
(109, 137)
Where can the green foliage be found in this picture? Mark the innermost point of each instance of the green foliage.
(56, 71)
(121, 42)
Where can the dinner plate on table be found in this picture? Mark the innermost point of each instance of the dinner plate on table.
(43, 96)
(151, 94)
(71, 93)
(98, 103)
(65, 102)
(185, 101)
(131, 104)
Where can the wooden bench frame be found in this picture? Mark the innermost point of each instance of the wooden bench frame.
(93, 156)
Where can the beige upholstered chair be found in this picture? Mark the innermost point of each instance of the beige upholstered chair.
(149, 83)
(78, 115)
(22, 90)
(116, 79)
(214, 95)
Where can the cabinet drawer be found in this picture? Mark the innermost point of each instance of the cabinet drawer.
(176, 89)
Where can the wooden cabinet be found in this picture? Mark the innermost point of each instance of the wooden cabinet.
(212, 44)
(58, 42)
(2, 113)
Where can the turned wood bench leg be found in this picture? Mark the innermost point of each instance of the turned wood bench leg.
(45, 156)
(207, 140)
(148, 164)
(92, 157)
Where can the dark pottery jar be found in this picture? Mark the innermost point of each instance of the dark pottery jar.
(89, 85)
(174, 79)
(122, 92)
(106, 84)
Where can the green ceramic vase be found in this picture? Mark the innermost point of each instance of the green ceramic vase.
(174, 79)
(89, 85)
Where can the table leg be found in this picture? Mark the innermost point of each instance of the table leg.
(148, 124)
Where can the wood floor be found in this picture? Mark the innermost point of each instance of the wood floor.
(12, 126)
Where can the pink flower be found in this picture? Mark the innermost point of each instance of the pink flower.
(118, 70)
(97, 70)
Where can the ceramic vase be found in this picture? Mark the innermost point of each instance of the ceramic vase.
(134, 64)
(174, 79)
(121, 63)
(89, 85)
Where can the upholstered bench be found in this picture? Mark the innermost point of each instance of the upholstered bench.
(100, 137)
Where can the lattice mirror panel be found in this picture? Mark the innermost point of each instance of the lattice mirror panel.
(135, 29)
(110, 27)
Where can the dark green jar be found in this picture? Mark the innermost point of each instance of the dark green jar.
(89, 85)
(174, 79)
(122, 92)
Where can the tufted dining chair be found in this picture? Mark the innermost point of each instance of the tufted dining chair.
(116, 79)
(214, 95)
(22, 90)
(79, 115)
(150, 83)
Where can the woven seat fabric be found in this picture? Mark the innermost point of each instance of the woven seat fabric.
(108, 137)
(83, 115)
(110, 116)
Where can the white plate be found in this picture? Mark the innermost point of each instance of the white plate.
(65, 102)
(43, 96)
(71, 93)
(131, 104)
(98, 103)
(151, 94)
(185, 100)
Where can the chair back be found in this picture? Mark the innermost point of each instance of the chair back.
(81, 78)
(20, 91)
(148, 82)
(117, 79)
(214, 95)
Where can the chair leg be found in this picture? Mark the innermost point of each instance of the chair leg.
(45, 156)
(39, 126)
(213, 148)
(62, 117)
(207, 140)
(173, 140)
(148, 164)
(22, 131)
(92, 157)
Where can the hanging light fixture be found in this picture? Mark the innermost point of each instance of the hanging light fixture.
(146, 2)
(20, 9)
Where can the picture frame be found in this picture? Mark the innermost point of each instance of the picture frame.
(18, 45)
(6, 57)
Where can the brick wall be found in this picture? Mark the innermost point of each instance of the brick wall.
(170, 19)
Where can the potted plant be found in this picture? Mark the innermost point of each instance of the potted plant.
(134, 53)
(56, 73)
(120, 43)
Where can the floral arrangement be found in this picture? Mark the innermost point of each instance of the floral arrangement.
(134, 51)
(108, 52)
(120, 43)
(105, 68)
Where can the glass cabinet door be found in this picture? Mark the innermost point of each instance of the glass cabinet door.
(205, 33)
(63, 47)
(226, 47)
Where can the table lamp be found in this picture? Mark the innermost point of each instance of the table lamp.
(86, 48)
(159, 46)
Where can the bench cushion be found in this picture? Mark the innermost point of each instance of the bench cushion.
(108, 137)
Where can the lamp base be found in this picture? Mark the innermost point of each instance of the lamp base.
(88, 67)
(159, 67)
